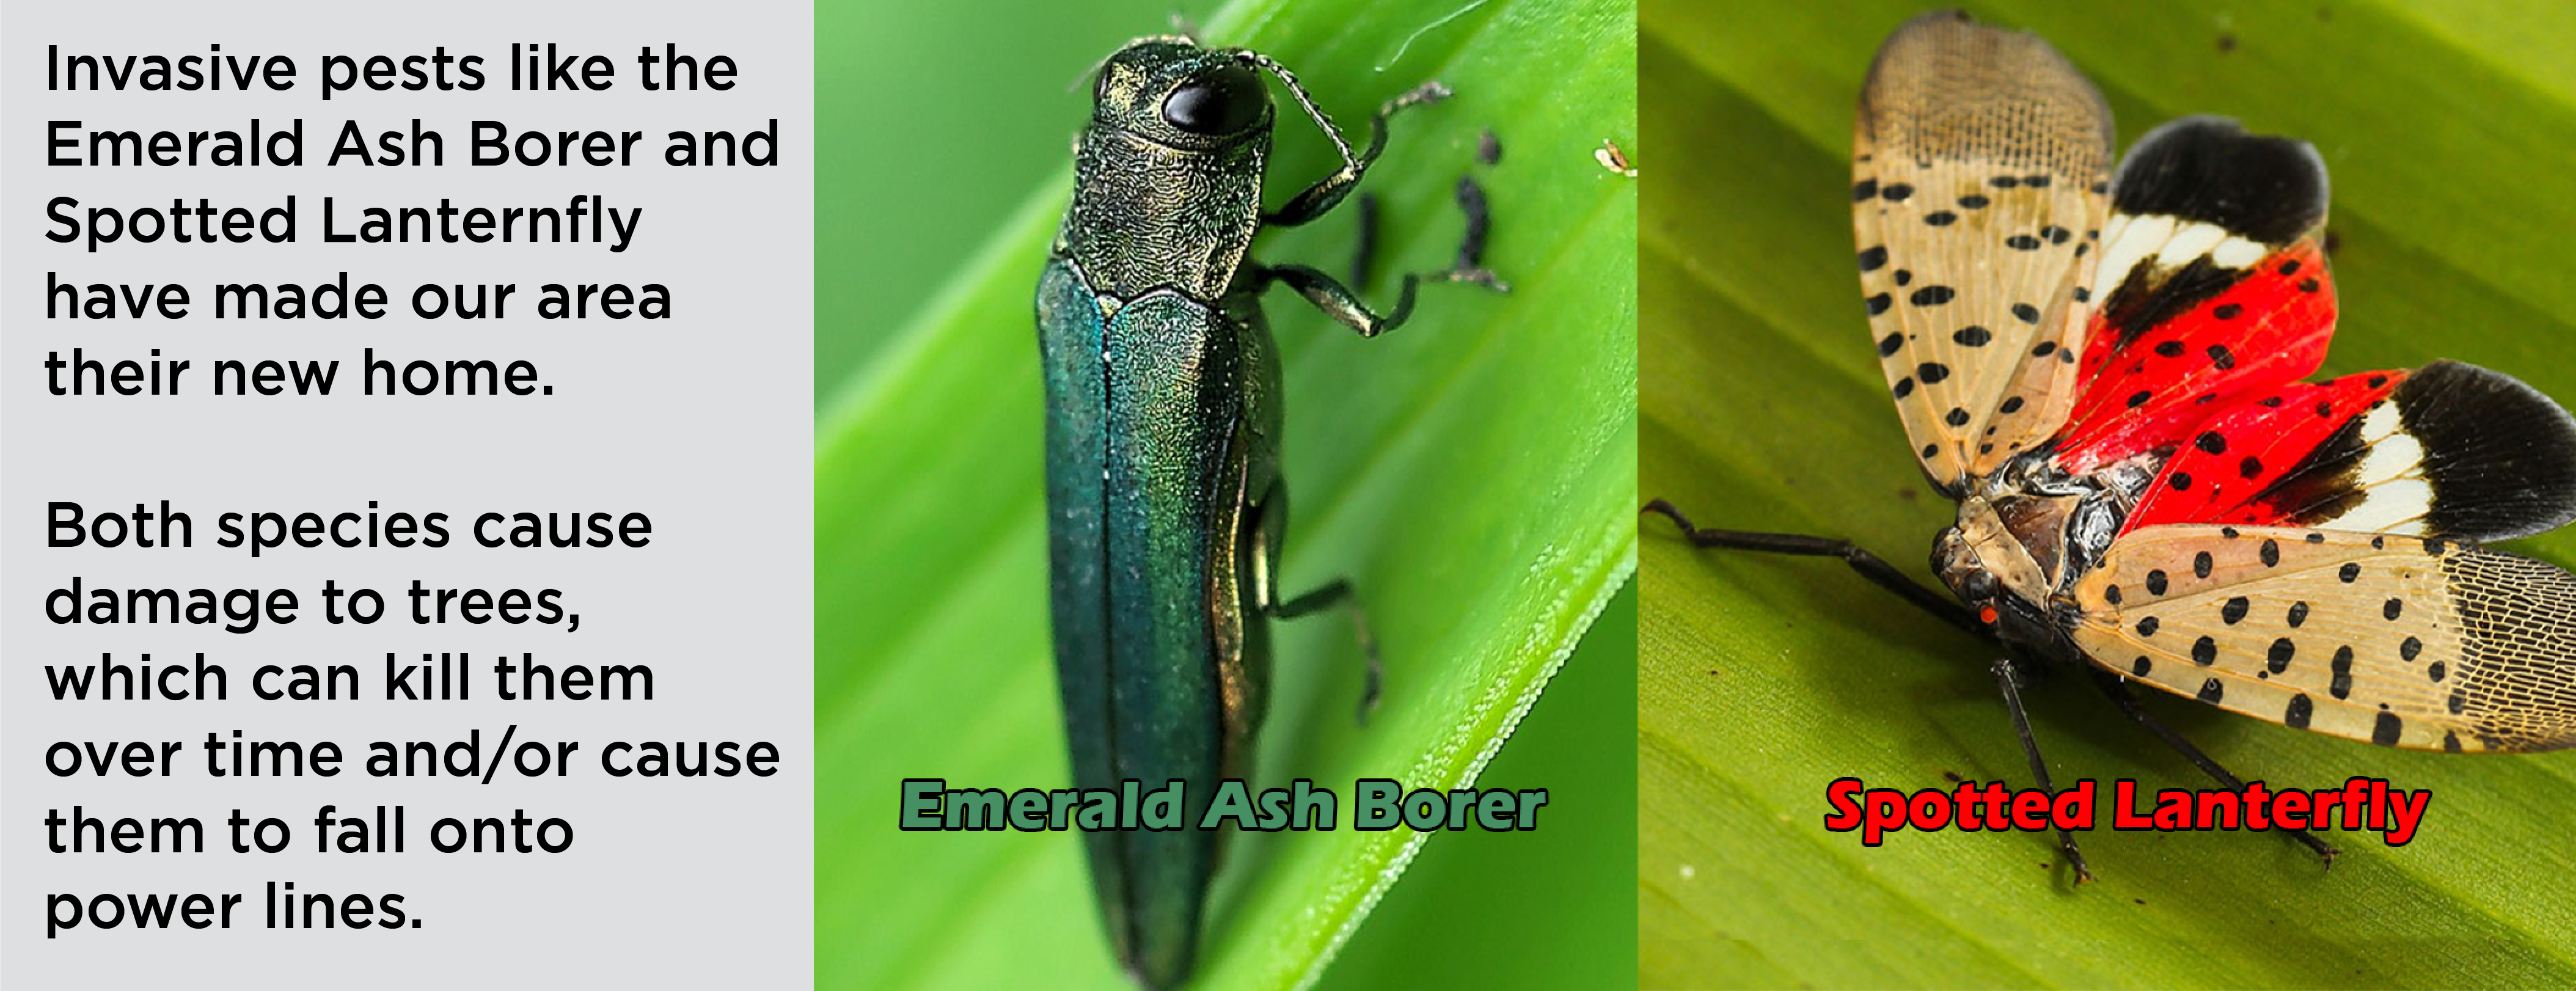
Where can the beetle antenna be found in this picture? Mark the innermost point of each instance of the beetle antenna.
(1350, 163)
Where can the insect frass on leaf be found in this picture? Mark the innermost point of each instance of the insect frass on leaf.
(2105, 371)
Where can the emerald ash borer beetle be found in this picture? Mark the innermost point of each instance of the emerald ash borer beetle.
(1165, 506)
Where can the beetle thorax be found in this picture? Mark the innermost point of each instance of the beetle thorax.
(1147, 215)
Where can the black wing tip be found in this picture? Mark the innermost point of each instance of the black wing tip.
(2501, 454)
(2263, 187)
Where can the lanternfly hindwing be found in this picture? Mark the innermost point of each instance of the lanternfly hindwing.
(2448, 449)
(2212, 285)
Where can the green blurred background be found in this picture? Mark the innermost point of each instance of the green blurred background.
(933, 121)
(936, 124)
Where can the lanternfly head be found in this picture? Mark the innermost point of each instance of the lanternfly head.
(1956, 562)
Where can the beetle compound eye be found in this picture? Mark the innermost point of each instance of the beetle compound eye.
(1222, 101)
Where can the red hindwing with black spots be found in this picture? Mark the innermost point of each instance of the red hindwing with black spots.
(2254, 461)
(2148, 386)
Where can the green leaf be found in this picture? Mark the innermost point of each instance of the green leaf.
(1549, 907)
(1763, 678)
(1473, 473)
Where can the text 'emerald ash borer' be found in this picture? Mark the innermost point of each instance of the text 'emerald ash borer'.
(1165, 506)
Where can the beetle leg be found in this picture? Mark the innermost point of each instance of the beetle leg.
(1338, 593)
(1344, 306)
(1320, 198)
(1269, 530)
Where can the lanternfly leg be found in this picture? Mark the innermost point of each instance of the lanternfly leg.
(1870, 566)
(1338, 593)
(2128, 703)
(2007, 679)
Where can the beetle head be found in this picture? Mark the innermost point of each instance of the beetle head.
(1173, 92)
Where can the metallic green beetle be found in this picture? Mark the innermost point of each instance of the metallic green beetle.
(1165, 506)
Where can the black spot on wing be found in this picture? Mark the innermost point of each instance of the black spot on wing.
(2278, 658)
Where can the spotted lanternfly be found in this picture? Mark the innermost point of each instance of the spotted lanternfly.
(2106, 373)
